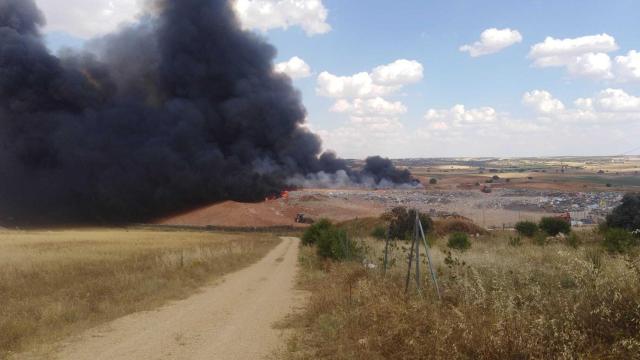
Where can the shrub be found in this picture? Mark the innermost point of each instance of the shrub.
(459, 241)
(379, 232)
(332, 242)
(515, 241)
(402, 222)
(554, 226)
(618, 240)
(433, 181)
(314, 232)
(456, 224)
(526, 228)
(573, 240)
(627, 214)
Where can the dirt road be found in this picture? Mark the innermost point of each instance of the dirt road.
(231, 320)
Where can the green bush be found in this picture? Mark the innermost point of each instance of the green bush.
(379, 232)
(315, 231)
(627, 214)
(401, 222)
(526, 228)
(331, 241)
(433, 181)
(459, 241)
(554, 226)
(618, 240)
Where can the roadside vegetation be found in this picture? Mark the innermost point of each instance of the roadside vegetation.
(55, 283)
(503, 297)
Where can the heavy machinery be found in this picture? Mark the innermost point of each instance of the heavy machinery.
(303, 219)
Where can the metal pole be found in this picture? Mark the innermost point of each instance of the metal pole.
(386, 253)
(406, 286)
(415, 236)
(433, 273)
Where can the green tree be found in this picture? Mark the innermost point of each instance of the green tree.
(459, 241)
(554, 226)
(315, 231)
(618, 240)
(526, 228)
(627, 214)
(402, 222)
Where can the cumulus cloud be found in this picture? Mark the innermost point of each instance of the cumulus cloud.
(460, 116)
(373, 120)
(359, 85)
(605, 107)
(585, 56)
(310, 15)
(398, 73)
(556, 52)
(295, 67)
(542, 101)
(616, 100)
(492, 41)
(374, 107)
(86, 19)
(593, 125)
(383, 80)
(627, 68)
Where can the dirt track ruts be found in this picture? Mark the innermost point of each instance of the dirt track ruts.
(232, 319)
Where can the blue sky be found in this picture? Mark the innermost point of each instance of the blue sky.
(438, 100)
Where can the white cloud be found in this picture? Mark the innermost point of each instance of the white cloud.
(359, 85)
(295, 67)
(373, 120)
(383, 80)
(627, 68)
(399, 72)
(492, 41)
(556, 52)
(592, 65)
(375, 107)
(606, 107)
(460, 116)
(87, 19)
(584, 56)
(542, 101)
(616, 100)
(310, 15)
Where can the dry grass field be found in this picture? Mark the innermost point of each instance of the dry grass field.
(499, 301)
(56, 283)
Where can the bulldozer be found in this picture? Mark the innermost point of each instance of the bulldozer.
(303, 219)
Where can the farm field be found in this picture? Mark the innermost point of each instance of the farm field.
(500, 300)
(57, 283)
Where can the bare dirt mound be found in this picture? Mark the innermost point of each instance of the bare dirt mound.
(232, 320)
(231, 213)
(272, 213)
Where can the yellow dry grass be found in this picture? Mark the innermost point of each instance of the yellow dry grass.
(55, 283)
(499, 302)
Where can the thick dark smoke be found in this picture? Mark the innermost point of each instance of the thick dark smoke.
(383, 170)
(179, 110)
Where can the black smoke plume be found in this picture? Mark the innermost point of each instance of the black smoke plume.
(181, 109)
